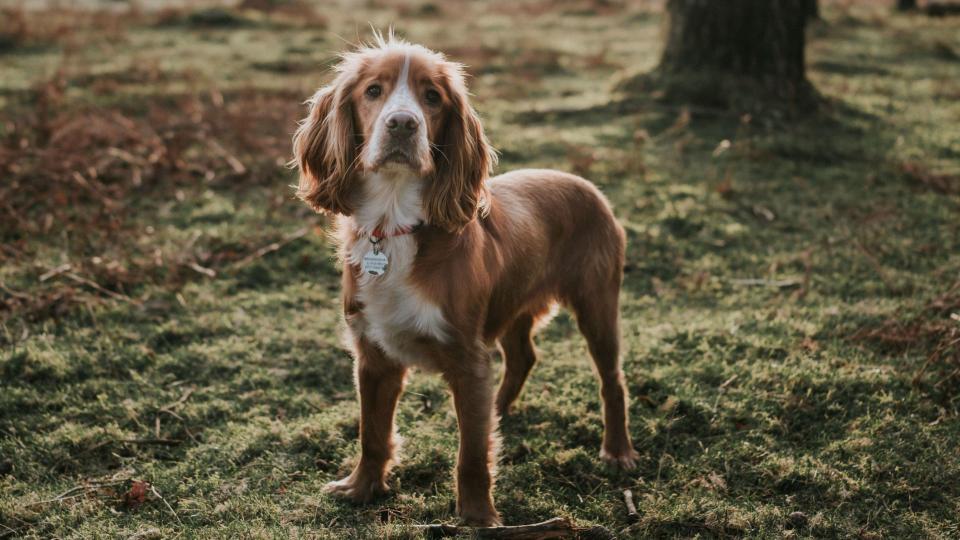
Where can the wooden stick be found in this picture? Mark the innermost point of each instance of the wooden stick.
(776, 284)
(65, 495)
(8, 531)
(209, 272)
(552, 528)
(64, 270)
(95, 285)
(55, 272)
(231, 159)
(269, 248)
(170, 508)
(183, 399)
(723, 386)
(77, 491)
(169, 407)
(632, 515)
(439, 530)
(934, 357)
(13, 293)
(161, 442)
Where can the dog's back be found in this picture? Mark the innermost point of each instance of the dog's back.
(568, 241)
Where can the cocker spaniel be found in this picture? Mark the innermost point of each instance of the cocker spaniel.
(441, 262)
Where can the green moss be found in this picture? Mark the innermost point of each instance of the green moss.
(751, 400)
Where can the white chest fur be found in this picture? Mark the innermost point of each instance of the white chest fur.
(394, 312)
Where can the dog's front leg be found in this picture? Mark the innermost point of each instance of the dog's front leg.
(471, 383)
(379, 383)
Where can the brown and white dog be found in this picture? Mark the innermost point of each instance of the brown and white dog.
(441, 262)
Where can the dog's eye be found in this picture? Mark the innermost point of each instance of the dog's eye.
(432, 96)
(374, 91)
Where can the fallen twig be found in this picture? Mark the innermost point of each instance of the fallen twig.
(92, 188)
(96, 286)
(170, 508)
(125, 156)
(55, 272)
(9, 531)
(13, 293)
(270, 248)
(235, 164)
(776, 284)
(728, 382)
(632, 515)
(64, 270)
(552, 528)
(209, 272)
(77, 491)
(169, 407)
(65, 495)
(159, 442)
(183, 399)
(934, 357)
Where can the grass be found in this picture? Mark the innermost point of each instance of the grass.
(786, 309)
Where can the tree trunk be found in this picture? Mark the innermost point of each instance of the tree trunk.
(744, 55)
(906, 5)
(813, 9)
(734, 45)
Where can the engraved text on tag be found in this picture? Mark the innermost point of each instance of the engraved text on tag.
(374, 263)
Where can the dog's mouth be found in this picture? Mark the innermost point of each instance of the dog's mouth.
(397, 157)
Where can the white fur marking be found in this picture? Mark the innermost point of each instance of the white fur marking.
(394, 311)
(401, 99)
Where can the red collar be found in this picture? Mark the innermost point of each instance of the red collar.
(378, 233)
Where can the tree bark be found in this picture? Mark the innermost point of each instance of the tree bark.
(748, 38)
(813, 9)
(737, 54)
(906, 5)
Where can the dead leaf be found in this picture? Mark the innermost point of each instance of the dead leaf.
(725, 187)
(809, 344)
(717, 481)
(136, 495)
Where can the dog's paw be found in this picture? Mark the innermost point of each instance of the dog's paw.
(625, 459)
(482, 518)
(477, 510)
(358, 487)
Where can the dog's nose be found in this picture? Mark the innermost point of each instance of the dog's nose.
(402, 124)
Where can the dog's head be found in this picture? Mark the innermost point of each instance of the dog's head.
(401, 110)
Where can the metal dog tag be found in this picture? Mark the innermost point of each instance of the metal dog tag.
(374, 263)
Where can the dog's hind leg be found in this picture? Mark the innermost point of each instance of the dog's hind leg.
(518, 358)
(598, 317)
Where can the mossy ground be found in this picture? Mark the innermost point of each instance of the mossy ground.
(752, 400)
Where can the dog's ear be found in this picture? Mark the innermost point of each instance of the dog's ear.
(463, 159)
(325, 149)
